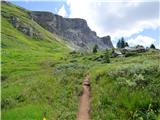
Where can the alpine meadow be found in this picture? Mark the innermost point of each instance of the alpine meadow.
(45, 59)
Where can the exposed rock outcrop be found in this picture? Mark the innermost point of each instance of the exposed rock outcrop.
(20, 25)
(73, 30)
(25, 28)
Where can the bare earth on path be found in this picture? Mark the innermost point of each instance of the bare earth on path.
(84, 103)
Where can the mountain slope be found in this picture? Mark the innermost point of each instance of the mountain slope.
(20, 20)
(28, 83)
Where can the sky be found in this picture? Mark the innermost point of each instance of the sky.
(138, 21)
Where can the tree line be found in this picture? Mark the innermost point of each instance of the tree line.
(120, 44)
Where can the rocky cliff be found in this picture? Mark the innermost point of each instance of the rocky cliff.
(73, 30)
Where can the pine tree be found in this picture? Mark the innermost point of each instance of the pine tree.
(152, 46)
(121, 43)
(95, 48)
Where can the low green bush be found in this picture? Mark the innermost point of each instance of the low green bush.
(129, 54)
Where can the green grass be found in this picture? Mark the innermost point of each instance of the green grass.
(29, 87)
(116, 95)
(39, 75)
(26, 112)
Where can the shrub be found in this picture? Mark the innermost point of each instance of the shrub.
(140, 80)
(7, 103)
(106, 57)
(95, 48)
(70, 71)
(130, 54)
(4, 77)
(20, 98)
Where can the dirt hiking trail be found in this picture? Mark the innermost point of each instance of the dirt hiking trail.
(84, 103)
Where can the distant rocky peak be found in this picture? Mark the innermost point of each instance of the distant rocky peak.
(107, 40)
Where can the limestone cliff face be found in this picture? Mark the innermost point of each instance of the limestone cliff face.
(107, 41)
(73, 30)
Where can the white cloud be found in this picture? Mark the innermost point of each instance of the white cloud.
(62, 11)
(120, 18)
(141, 40)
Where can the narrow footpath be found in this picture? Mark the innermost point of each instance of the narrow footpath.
(84, 103)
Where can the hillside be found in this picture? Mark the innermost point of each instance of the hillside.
(42, 77)
(26, 67)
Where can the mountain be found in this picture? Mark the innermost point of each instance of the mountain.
(16, 23)
(73, 30)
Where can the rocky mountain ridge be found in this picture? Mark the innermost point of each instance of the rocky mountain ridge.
(73, 30)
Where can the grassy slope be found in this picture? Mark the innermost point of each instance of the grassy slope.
(28, 84)
(40, 76)
(116, 95)
(128, 88)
